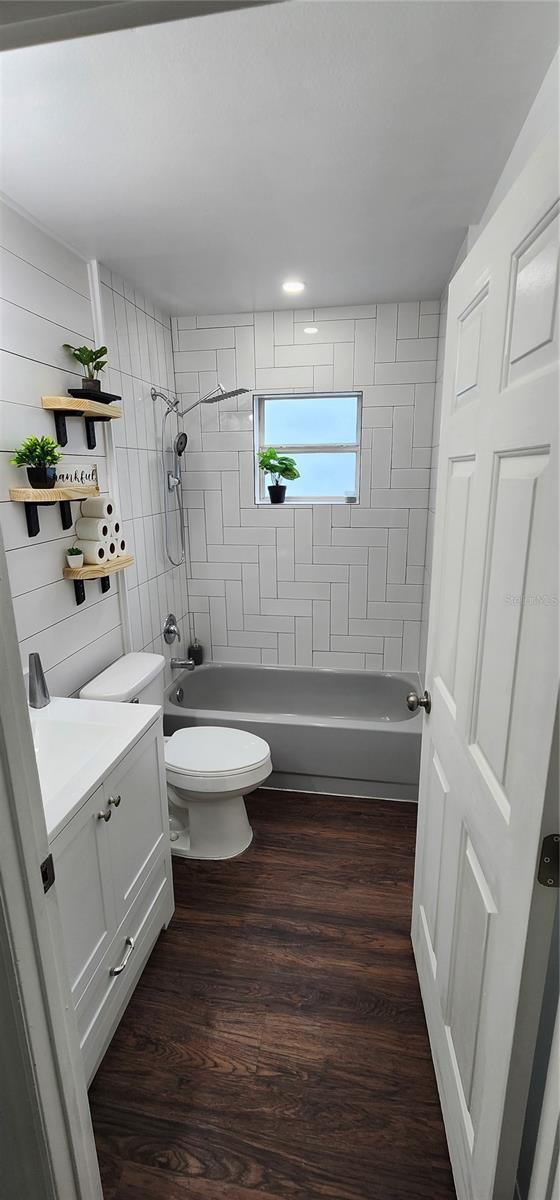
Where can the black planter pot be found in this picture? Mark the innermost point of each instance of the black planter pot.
(91, 385)
(277, 493)
(41, 477)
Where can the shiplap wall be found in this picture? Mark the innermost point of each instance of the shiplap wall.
(138, 338)
(322, 585)
(45, 302)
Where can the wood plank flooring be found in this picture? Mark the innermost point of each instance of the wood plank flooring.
(275, 1047)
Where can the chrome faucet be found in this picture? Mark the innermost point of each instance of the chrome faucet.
(38, 690)
(182, 664)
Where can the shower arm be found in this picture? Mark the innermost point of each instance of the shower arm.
(216, 392)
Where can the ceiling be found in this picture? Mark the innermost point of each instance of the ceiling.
(349, 144)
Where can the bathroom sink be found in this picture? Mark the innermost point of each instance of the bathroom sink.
(62, 749)
(76, 743)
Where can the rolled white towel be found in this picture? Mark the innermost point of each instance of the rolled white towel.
(114, 529)
(92, 529)
(102, 507)
(121, 547)
(111, 548)
(95, 553)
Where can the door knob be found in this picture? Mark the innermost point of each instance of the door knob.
(415, 701)
(104, 816)
(115, 800)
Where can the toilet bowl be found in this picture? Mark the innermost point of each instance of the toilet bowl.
(209, 769)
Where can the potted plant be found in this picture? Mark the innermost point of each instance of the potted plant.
(280, 466)
(74, 557)
(90, 360)
(39, 455)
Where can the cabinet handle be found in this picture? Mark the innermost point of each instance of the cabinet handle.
(104, 816)
(129, 943)
(115, 800)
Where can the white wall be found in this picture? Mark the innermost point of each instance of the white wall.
(45, 302)
(322, 585)
(138, 338)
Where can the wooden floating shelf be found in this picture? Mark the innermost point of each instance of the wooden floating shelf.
(91, 571)
(32, 497)
(74, 491)
(74, 406)
(88, 408)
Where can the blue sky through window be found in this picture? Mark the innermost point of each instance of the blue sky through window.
(324, 475)
(310, 420)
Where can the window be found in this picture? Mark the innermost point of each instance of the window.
(321, 431)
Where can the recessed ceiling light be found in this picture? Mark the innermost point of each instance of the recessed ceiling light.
(293, 286)
(310, 329)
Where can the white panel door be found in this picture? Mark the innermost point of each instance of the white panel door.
(492, 665)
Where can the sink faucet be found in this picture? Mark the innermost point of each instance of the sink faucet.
(182, 664)
(38, 690)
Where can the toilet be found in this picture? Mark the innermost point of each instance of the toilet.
(209, 768)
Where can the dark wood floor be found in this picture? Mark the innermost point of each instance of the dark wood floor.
(275, 1047)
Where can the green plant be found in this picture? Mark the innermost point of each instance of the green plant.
(88, 359)
(280, 466)
(37, 452)
(72, 550)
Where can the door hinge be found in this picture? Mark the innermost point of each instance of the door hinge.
(47, 873)
(549, 861)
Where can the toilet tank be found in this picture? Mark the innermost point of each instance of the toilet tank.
(133, 679)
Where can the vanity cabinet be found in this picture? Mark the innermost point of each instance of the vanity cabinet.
(113, 878)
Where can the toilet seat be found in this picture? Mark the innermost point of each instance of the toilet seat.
(216, 758)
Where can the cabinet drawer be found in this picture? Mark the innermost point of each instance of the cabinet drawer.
(103, 1002)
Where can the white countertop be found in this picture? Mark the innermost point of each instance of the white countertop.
(77, 743)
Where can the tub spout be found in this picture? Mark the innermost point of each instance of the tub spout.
(182, 664)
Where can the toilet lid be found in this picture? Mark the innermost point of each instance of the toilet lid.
(214, 750)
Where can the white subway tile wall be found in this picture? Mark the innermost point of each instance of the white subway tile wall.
(45, 302)
(315, 585)
(138, 338)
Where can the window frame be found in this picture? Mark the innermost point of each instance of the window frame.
(259, 444)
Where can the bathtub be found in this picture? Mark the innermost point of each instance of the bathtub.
(341, 732)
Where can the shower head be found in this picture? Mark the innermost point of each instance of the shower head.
(223, 395)
(217, 393)
(180, 444)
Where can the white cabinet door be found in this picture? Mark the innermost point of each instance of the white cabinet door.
(85, 891)
(135, 792)
(492, 666)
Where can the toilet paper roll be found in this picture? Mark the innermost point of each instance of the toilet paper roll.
(115, 529)
(95, 553)
(121, 547)
(93, 530)
(98, 506)
(111, 548)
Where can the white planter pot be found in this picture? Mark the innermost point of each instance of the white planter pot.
(75, 561)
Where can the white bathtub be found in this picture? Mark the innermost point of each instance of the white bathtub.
(342, 732)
